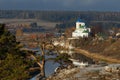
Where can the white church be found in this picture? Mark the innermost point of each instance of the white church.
(81, 30)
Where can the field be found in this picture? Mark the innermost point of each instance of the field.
(45, 24)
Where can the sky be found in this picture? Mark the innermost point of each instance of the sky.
(67, 5)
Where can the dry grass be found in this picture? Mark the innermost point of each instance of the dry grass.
(46, 24)
(97, 56)
(113, 50)
(106, 50)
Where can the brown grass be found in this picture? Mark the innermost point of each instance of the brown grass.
(97, 56)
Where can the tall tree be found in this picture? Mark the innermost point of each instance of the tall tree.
(13, 67)
(7, 42)
(13, 62)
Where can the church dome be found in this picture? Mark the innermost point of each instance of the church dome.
(79, 20)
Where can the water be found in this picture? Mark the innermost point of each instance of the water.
(49, 68)
(49, 65)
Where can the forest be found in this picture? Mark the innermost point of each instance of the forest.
(66, 18)
(57, 16)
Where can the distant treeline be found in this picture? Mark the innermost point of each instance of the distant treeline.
(67, 18)
(60, 15)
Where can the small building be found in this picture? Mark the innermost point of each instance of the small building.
(81, 30)
(118, 35)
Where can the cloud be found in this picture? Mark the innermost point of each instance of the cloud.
(61, 4)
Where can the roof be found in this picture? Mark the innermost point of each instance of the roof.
(79, 20)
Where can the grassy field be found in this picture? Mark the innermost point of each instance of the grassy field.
(45, 24)
(96, 56)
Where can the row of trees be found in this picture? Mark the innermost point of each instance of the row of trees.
(61, 15)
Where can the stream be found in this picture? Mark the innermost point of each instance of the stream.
(50, 66)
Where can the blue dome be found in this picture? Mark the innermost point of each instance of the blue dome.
(79, 20)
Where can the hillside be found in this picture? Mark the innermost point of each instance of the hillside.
(107, 48)
(113, 50)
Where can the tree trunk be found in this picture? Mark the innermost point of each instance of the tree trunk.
(43, 61)
(42, 73)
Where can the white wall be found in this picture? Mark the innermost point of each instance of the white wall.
(78, 24)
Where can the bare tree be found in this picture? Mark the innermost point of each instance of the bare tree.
(46, 47)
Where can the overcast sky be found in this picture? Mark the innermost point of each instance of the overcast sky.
(99, 5)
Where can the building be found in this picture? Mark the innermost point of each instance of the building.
(81, 30)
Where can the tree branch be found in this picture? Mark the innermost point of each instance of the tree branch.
(34, 68)
(32, 56)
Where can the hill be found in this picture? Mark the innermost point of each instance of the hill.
(113, 50)
(107, 47)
